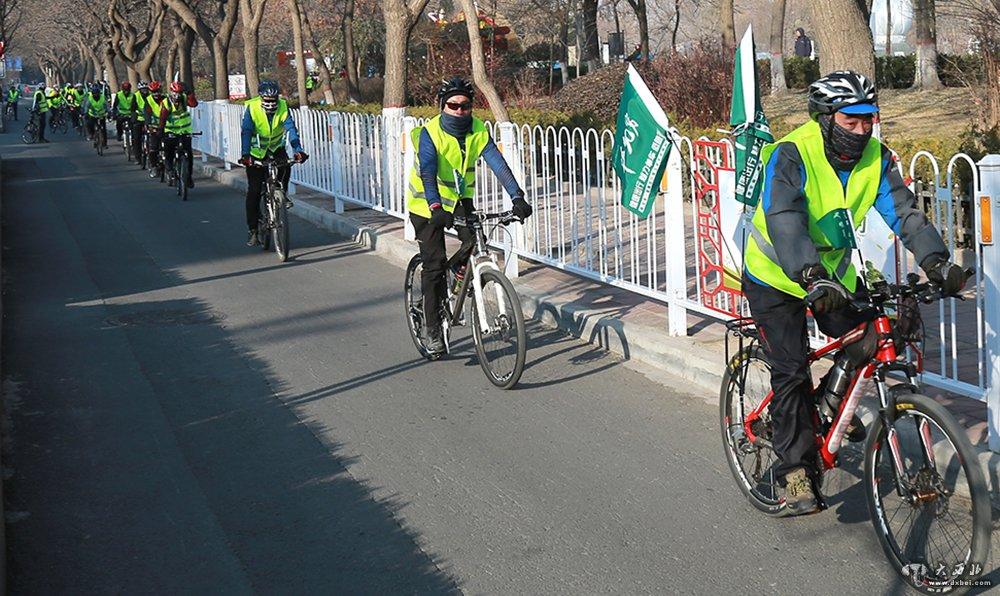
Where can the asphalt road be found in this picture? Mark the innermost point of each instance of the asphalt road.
(189, 415)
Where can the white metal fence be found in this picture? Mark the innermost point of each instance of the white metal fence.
(674, 256)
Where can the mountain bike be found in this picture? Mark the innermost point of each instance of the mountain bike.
(272, 223)
(497, 321)
(126, 125)
(142, 155)
(154, 153)
(926, 494)
(58, 122)
(179, 174)
(30, 133)
(9, 110)
(100, 136)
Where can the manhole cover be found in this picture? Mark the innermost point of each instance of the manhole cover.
(164, 317)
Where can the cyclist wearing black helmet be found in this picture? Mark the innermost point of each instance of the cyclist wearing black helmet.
(442, 185)
(819, 182)
(266, 126)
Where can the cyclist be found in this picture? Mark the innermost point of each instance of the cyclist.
(175, 119)
(94, 108)
(40, 107)
(266, 126)
(442, 185)
(74, 97)
(55, 100)
(819, 182)
(123, 107)
(153, 109)
(13, 95)
(141, 97)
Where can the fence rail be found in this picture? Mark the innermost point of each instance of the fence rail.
(677, 255)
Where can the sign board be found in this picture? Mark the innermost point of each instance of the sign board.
(237, 86)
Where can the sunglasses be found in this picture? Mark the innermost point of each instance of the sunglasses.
(454, 105)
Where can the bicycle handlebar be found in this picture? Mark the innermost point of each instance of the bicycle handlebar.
(926, 292)
(282, 162)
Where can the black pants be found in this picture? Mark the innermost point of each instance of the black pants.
(781, 319)
(92, 126)
(170, 145)
(155, 149)
(43, 118)
(430, 239)
(256, 178)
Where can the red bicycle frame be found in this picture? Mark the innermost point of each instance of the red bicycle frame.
(885, 354)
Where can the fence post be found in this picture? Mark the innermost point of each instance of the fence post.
(511, 151)
(398, 146)
(675, 257)
(223, 132)
(989, 176)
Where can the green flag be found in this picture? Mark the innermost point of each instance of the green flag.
(750, 128)
(642, 144)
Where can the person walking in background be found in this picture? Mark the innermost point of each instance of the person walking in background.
(803, 45)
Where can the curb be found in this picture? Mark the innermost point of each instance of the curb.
(679, 357)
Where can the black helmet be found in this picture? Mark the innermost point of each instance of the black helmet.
(842, 91)
(454, 86)
(268, 92)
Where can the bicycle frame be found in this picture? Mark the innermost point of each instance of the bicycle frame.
(884, 361)
(478, 259)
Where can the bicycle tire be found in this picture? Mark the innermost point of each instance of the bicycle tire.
(263, 219)
(281, 228)
(29, 135)
(413, 306)
(760, 485)
(182, 176)
(979, 509)
(510, 322)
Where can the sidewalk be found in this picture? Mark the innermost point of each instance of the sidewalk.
(621, 322)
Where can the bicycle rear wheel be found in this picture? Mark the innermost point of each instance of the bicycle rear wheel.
(502, 345)
(413, 305)
(102, 138)
(281, 245)
(30, 133)
(934, 525)
(745, 384)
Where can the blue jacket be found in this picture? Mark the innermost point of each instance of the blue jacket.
(248, 130)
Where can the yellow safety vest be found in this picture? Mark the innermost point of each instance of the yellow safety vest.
(270, 135)
(456, 175)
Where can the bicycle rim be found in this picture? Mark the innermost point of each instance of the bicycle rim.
(280, 226)
(182, 188)
(745, 384)
(413, 304)
(502, 346)
(937, 533)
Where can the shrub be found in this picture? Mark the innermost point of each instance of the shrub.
(895, 72)
(800, 72)
(695, 86)
(959, 70)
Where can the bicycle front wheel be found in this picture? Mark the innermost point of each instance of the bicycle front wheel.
(182, 176)
(29, 135)
(263, 222)
(498, 331)
(933, 520)
(280, 226)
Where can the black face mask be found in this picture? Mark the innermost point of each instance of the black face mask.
(456, 126)
(843, 148)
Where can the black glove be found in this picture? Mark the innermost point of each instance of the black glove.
(441, 218)
(521, 208)
(245, 160)
(823, 295)
(946, 274)
(301, 157)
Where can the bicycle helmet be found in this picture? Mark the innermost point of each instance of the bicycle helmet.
(842, 91)
(176, 91)
(143, 86)
(96, 89)
(154, 87)
(454, 86)
(268, 91)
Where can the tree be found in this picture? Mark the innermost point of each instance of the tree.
(301, 69)
(309, 38)
(350, 58)
(925, 28)
(400, 17)
(639, 8)
(777, 47)
(216, 41)
(184, 38)
(253, 14)
(136, 46)
(11, 14)
(479, 62)
(727, 23)
(845, 40)
(590, 43)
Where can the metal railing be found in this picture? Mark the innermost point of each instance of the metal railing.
(675, 256)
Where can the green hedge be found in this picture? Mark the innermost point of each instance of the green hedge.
(799, 73)
(891, 72)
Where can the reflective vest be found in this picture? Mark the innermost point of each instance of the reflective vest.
(827, 204)
(140, 107)
(155, 108)
(178, 118)
(13, 94)
(270, 134)
(456, 175)
(41, 104)
(97, 108)
(125, 102)
(72, 98)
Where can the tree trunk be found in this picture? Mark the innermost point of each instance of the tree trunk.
(220, 48)
(350, 57)
(677, 24)
(777, 47)
(564, 47)
(185, 36)
(479, 62)
(301, 69)
(400, 16)
(324, 71)
(845, 43)
(252, 16)
(639, 7)
(171, 65)
(888, 28)
(727, 24)
(591, 44)
(109, 68)
(925, 28)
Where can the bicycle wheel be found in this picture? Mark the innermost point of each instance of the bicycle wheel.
(502, 346)
(182, 176)
(263, 222)
(63, 128)
(745, 384)
(934, 526)
(280, 228)
(30, 133)
(413, 305)
(102, 138)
